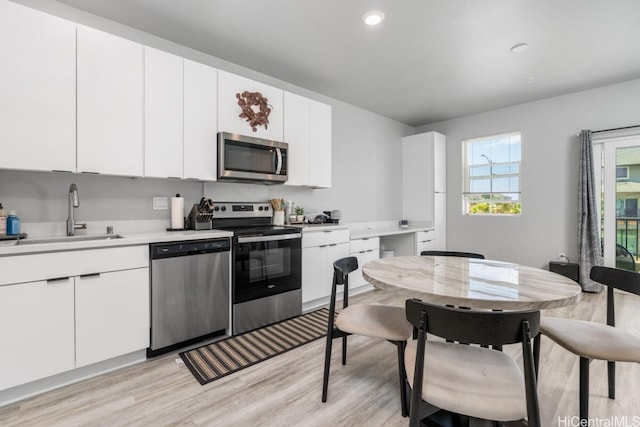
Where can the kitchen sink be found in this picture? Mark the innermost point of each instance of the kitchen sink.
(67, 239)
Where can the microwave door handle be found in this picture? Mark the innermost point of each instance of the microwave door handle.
(278, 161)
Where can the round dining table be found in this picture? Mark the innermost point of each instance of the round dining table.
(471, 282)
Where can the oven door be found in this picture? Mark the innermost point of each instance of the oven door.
(266, 265)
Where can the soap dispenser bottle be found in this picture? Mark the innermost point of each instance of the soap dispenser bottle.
(13, 224)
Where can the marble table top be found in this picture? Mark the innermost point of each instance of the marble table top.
(474, 283)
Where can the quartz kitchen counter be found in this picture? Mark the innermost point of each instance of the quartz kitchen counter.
(94, 241)
(319, 227)
(384, 230)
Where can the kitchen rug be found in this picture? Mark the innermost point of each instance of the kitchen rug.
(213, 361)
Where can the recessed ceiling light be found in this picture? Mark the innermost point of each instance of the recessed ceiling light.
(373, 17)
(521, 47)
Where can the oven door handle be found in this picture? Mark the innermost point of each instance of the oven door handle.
(252, 239)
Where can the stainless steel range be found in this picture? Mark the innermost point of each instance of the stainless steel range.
(266, 265)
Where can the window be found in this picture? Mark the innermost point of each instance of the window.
(492, 175)
(622, 172)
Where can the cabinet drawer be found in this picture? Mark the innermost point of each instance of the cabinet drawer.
(423, 236)
(324, 237)
(428, 245)
(361, 245)
(20, 268)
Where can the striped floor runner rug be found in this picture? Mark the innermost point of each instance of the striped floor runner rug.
(213, 361)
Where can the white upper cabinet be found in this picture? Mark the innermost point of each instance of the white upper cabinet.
(110, 86)
(319, 144)
(200, 121)
(307, 130)
(296, 134)
(163, 124)
(37, 90)
(229, 111)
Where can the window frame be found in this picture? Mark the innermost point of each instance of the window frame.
(492, 176)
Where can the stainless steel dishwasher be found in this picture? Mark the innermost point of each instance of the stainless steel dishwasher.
(190, 300)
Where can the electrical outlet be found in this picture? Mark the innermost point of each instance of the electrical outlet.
(160, 203)
(562, 255)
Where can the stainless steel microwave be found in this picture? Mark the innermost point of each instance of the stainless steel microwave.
(245, 158)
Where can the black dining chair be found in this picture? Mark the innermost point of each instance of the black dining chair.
(468, 380)
(377, 321)
(452, 253)
(591, 340)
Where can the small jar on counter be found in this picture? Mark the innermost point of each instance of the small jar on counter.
(13, 224)
(3, 221)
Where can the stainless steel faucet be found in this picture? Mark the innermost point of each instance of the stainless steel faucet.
(74, 202)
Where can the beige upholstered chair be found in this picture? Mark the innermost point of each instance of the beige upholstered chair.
(376, 321)
(591, 340)
(467, 380)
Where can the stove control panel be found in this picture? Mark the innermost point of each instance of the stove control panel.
(241, 210)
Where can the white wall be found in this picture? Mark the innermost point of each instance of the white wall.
(549, 180)
(365, 157)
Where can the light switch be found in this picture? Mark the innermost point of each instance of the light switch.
(160, 203)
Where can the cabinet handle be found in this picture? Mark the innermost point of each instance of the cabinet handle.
(88, 276)
(57, 279)
(326, 231)
(323, 246)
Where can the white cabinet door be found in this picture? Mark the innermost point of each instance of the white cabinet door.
(37, 90)
(440, 220)
(37, 331)
(439, 163)
(417, 178)
(355, 278)
(110, 104)
(163, 125)
(275, 98)
(200, 121)
(319, 144)
(296, 134)
(334, 253)
(316, 274)
(229, 111)
(112, 314)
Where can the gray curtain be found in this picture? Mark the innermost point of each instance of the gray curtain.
(588, 227)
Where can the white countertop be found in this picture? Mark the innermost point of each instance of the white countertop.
(307, 228)
(54, 243)
(363, 233)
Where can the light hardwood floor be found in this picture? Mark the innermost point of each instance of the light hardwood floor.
(286, 390)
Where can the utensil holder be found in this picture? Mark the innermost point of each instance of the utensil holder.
(278, 217)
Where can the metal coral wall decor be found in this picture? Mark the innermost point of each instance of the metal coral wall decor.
(246, 101)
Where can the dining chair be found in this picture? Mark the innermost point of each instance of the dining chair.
(452, 253)
(377, 321)
(591, 340)
(469, 380)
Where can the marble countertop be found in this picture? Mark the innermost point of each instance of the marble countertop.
(92, 241)
(307, 228)
(474, 283)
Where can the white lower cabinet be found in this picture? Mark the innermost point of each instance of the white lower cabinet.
(365, 250)
(112, 314)
(320, 249)
(75, 309)
(426, 241)
(36, 331)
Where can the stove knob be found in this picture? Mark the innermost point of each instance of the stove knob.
(216, 209)
(260, 208)
(224, 208)
(266, 208)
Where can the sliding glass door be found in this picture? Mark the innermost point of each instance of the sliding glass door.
(617, 169)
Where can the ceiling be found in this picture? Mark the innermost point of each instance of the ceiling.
(430, 60)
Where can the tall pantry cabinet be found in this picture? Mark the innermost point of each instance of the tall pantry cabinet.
(424, 185)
